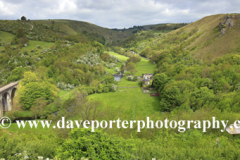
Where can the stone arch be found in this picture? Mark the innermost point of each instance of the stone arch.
(13, 94)
(6, 102)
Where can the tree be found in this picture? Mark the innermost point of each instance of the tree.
(80, 95)
(100, 88)
(38, 107)
(34, 90)
(29, 77)
(134, 59)
(23, 18)
(122, 68)
(131, 67)
(170, 98)
(159, 81)
(16, 74)
(109, 79)
(20, 33)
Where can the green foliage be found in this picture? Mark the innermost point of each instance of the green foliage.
(100, 88)
(33, 145)
(109, 79)
(15, 75)
(98, 46)
(38, 106)
(131, 67)
(170, 98)
(201, 97)
(134, 59)
(29, 77)
(32, 90)
(159, 81)
(94, 145)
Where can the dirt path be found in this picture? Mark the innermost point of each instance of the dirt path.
(30, 25)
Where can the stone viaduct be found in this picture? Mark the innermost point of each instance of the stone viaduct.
(7, 94)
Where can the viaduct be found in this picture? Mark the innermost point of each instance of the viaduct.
(7, 94)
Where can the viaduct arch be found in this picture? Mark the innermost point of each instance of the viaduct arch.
(7, 93)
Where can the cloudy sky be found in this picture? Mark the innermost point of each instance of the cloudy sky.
(117, 13)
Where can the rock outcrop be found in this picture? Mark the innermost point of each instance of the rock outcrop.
(225, 23)
(229, 22)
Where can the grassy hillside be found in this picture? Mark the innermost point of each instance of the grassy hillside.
(51, 30)
(202, 38)
(143, 36)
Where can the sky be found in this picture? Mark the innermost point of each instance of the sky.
(117, 13)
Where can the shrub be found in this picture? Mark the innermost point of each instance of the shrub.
(94, 145)
(117, 69)
(130, 78)
(135, 78)
(105, 89)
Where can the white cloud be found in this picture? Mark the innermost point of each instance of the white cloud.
(6, 9)
(117, 13)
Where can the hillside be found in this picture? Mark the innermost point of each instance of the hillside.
(50, 30)
(206, 39)
(143, 35)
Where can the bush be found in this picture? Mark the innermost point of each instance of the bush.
(32, 145)
(105, 89)
(135, 78)
(130, 78)
(90, 90)
(117, 69)
(94, 145)
(13, 115)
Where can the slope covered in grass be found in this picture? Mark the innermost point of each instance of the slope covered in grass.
(201, 38)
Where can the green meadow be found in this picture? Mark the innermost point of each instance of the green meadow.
(130, 103)
(33, 45)
(144, 66)
(120, 57)
(6, 37)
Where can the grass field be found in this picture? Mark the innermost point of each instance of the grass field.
(120, 57)
(33, 45)
(14, 128)
(144, 66)
(125, 83)
(131, 102)
(6, 37)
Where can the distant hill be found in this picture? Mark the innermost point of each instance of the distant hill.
(143, 36)
(49, 30)
(154, 27)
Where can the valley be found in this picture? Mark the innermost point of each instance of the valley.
(66, 69)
